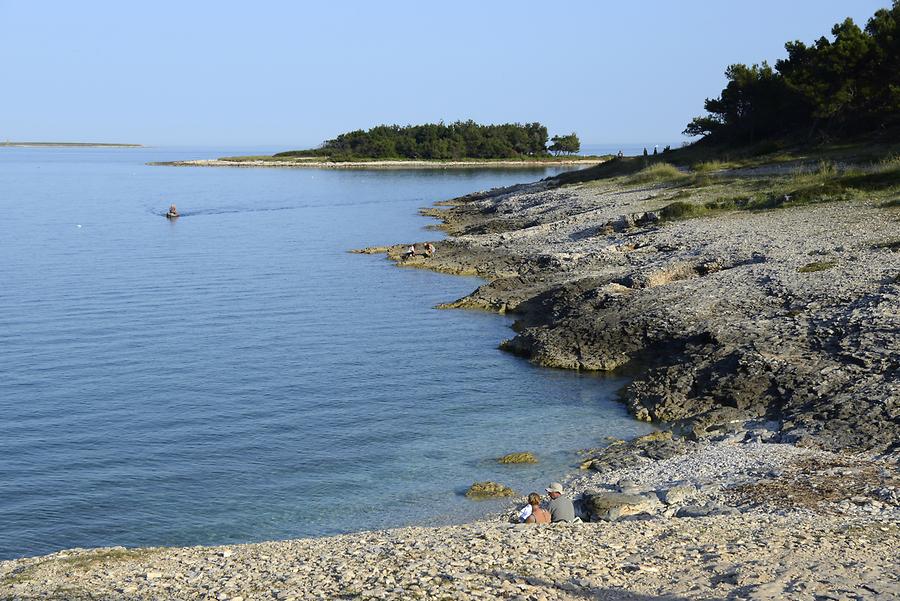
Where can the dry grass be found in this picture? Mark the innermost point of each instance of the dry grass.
(817, 266)
(712, 166)
(812, 483)
(83, 561)
(657, 173)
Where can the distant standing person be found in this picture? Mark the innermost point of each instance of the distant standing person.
(173, 211)
(561, 507)
(429, 249)
(538, 515)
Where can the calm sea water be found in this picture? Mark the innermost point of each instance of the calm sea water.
(236, 375)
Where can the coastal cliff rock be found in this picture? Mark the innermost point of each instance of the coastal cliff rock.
(711, 315)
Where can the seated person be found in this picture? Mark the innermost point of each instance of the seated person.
(561, 507)
(538, 514)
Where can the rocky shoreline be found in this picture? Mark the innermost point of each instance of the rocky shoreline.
(789, 314)
(768, 343)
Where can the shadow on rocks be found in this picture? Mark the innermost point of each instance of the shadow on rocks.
(70, 595)
(574, 589)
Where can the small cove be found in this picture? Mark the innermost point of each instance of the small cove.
(236, 375)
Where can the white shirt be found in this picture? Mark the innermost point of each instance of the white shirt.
(524, 513)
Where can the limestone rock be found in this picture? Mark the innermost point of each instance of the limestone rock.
(699, 511)
(715, 421)
(610, 506)
(524, 457)
(677, 495)
(489, 490)
(620, 455)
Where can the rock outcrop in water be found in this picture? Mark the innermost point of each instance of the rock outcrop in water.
(489, 490)
(512, 458)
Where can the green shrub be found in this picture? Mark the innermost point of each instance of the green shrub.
(826, 168)
(658, 172)
(700, 180)
(681, 210)
(605, 170)
(766, 147)
(299, 153)
(813, 194)
(680, 194)
(728, 203)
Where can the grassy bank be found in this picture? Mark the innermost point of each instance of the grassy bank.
(705, 181)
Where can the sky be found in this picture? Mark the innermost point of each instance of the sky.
(292, 74)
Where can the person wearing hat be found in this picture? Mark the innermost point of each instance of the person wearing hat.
(561, 508)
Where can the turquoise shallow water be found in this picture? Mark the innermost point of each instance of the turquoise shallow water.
(236, 375)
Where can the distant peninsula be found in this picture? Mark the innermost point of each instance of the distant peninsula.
(432, 145)
(71, 144)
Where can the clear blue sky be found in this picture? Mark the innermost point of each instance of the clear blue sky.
(293, 74)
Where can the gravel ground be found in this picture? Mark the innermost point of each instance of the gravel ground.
(727, 557)
(715, 540)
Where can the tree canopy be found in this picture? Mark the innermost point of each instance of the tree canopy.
(849, 84)
(569, 144)
(459, 140)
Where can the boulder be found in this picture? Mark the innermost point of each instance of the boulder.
(654, 436)
(629, 487)
(624, 223)
(677, 495)
(699, 511)
(489, 490)
(524, 457)
(717, 421)
(660, 450)
(610, 506)
(622, 455)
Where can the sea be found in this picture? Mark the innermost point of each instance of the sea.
(236, 375)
